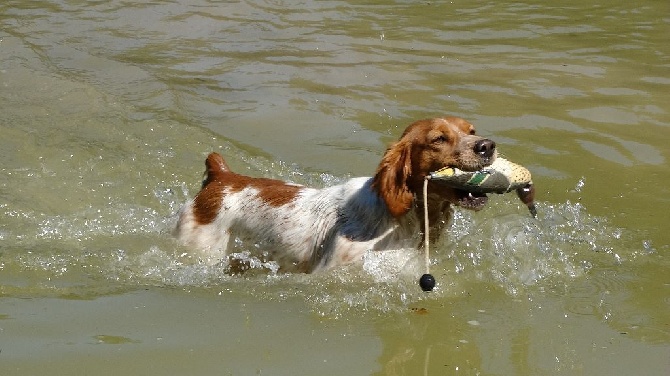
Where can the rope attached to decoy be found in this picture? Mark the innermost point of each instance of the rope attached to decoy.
(427, 281)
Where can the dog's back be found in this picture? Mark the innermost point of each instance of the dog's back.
(302, 228)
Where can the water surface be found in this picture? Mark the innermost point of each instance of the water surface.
(108, 109)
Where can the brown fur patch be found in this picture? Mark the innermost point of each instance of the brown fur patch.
(207, 203)
(276, 193)
(220, 180)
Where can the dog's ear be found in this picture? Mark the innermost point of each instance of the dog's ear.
(390, 181)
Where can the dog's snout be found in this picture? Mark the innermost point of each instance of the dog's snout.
(485, 148)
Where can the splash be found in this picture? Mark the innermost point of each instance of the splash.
(517, 252)
(128, 246)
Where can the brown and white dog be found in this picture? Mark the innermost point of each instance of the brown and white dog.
(308, 229)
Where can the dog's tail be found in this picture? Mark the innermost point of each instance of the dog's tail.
(214, 165)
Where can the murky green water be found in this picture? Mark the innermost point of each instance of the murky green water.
(108, 108)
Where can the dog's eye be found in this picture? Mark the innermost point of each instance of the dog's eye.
(439, 139)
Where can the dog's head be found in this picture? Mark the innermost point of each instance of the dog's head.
(426, 146)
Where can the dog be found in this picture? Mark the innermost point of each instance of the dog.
(308, 230)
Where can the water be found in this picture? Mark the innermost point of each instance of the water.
(108, 109)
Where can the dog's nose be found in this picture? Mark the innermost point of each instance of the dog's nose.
(485, 148)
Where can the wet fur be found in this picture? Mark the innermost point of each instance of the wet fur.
(308, 229)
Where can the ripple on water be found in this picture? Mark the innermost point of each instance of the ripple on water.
(589, 296)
